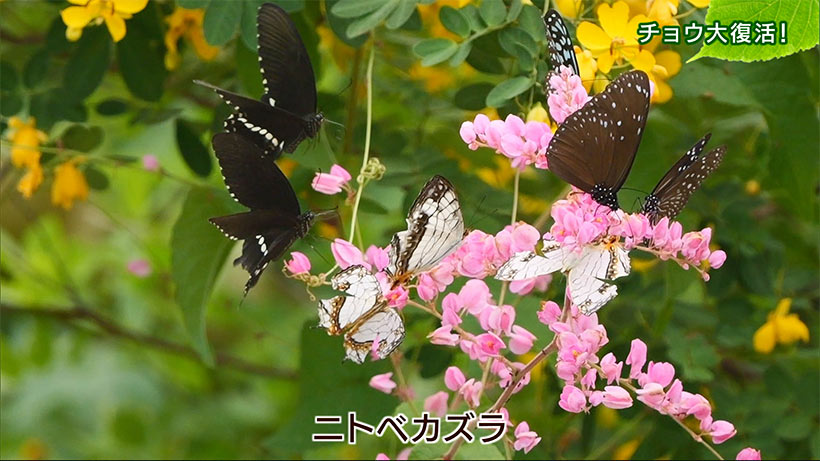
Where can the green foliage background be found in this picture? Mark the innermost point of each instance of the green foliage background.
(189, 374)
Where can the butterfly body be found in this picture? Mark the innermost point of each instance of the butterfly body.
(274, 220)
(286, 114)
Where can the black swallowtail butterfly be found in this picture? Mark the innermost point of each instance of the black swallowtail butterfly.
(681, 181)
(274, 221)
(562, 53)
(595, 146)
(287, 112)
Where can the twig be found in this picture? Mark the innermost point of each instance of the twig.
(361, 179)
(71, 315)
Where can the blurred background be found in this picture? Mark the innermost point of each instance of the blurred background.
(121, 331)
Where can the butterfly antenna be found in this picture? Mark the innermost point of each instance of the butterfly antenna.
(318, 253)
(635, 190)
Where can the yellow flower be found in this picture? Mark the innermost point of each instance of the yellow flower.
(699, 3)
(26, 140)
(663, 11)
(435, 78)
(616, 39)
(69, 184)
(752, 187)
(31, 180)
(637, 6)
(667, 65)
(538, 114)
(343, 55)
(186, 23)
(569, 8)
(780, 327)
(587, 65)
(112, 12)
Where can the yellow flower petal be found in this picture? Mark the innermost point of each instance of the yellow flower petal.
(538, 114)
(605, 62)
(699, 3)
(203, 49)
(593, 37)
(77, 17)
(69, 185)
(130, 6)
(670, 60)
(569, 8)
(636, 6)
(663, 92)
(31, 180)
(644, 60)
(765, 338)
(791, 329)
(631, 33)
(587, 65)
(783, 307)
(116, 26)
(614, 19)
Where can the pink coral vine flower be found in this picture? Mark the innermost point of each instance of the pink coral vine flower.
(333, 182)
(525, 439)
(568, 94)
(524, 143)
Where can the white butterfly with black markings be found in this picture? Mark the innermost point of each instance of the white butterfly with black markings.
(435, 228)
(589, 273)
(361, 315)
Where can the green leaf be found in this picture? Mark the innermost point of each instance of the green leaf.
(695, 355)
(328, 386)
(530, 21)
(454, 21)
(247, 71)
(12, 103)
(515, 10)
(339, 26)
(367, 23)
(485, 62)
(36, 68)
(198, 252)
(507, 90)
(221, 20)
(474, 96)
(800, 16)
(193, 151)
(111, 107)
(468, 451)
(463, 51)
(9, 80)
(247, 26)
(697, 80)
(87, 65)
(470, 12)
(141, 56)
(82, 138)
(404, 10)
(97, 180)
(434, 50)
(511, 37)
(492, 12)
(193, 4)
(355, 8)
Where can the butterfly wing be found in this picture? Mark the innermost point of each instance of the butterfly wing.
(363, 293)
(286, 70)
(435, 228)
(596, 145)
(385, 326)
(681, 181)
(528, 264)
(561, 51)
(252, 179)
(588, 278)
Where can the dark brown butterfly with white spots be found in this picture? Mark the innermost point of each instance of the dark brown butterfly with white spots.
(595, 146)
(274, 221)
(559, 43)
(287, 113)
(681, 181)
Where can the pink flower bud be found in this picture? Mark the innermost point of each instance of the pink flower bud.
(497, 318)
(298, 264)
(346, 254)
(489, 344)
(383, 382)
(636, 357)
(331, 183)
(378, 257)
(549, 313)
(454, 378)
(572, 399)
(437, 403)
(468, 135)
(662, 373)
(521, 340)
(397, 297)
(722, 431)
(525, 439)
(611, 368)
(426, 287)
(382, 457)
(140, 268)
(470, 391)
(474, 295)
(716, 259)
(444, 336)
(749, 454)
(652, 395)
(616, 397)
(150, 163)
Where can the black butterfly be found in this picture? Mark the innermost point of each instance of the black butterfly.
(681, 181)
(287, 112)
(274, 221)
(595, 146)
(562, 53)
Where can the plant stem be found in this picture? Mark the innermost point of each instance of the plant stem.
(361, 180)
(514, 216)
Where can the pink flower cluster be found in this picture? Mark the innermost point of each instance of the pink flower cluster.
(524, 143)
(580, 220)
(580, 339)
(480, 255)
(568, 94)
